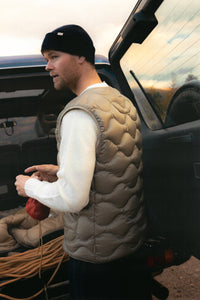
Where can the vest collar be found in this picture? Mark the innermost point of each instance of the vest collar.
(102, 84)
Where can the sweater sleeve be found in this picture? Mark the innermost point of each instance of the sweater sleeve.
(77, 156)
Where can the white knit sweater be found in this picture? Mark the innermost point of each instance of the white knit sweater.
(77, 158)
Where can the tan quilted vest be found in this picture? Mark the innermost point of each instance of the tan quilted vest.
(113, 224)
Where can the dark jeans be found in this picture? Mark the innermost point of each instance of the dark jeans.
(124, 279)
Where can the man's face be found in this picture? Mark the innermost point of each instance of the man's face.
(64, 68)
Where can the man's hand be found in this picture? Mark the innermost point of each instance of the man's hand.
(41, 172)
(20, 183)
(44, 172)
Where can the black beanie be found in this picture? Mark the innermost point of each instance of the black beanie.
(71, 39)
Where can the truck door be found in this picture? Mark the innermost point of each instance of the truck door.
(156, 59)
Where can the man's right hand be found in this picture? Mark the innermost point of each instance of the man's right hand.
(44, 172)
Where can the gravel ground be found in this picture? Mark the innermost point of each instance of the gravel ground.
(182, 281)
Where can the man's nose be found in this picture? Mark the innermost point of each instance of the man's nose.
(49, 66)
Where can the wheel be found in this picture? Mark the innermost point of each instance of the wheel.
(185, 105)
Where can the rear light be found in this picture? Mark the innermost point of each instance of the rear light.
(162, 259)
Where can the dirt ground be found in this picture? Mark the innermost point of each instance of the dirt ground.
(182, 281)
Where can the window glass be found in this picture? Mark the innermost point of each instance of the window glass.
(17, 130)
(167, 63)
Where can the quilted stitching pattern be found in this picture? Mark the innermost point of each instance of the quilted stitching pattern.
(113, 224)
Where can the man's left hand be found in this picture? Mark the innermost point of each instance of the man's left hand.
(20, 184)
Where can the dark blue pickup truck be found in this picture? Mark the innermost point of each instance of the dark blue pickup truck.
(155, 62)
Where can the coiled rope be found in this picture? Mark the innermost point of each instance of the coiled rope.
(32, 262)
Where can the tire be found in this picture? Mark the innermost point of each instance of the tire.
(185, 105)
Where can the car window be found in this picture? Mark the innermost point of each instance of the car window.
(17, 130)
(167, 64)
(18, 115)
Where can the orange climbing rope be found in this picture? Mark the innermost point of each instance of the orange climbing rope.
(32, 262)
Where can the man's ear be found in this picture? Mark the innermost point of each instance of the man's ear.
(81, 59)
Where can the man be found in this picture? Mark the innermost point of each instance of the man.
(97, 182)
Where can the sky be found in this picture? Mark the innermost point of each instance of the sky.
(171, 53)
(24, 23)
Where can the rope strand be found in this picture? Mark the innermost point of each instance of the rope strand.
(32, 262)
